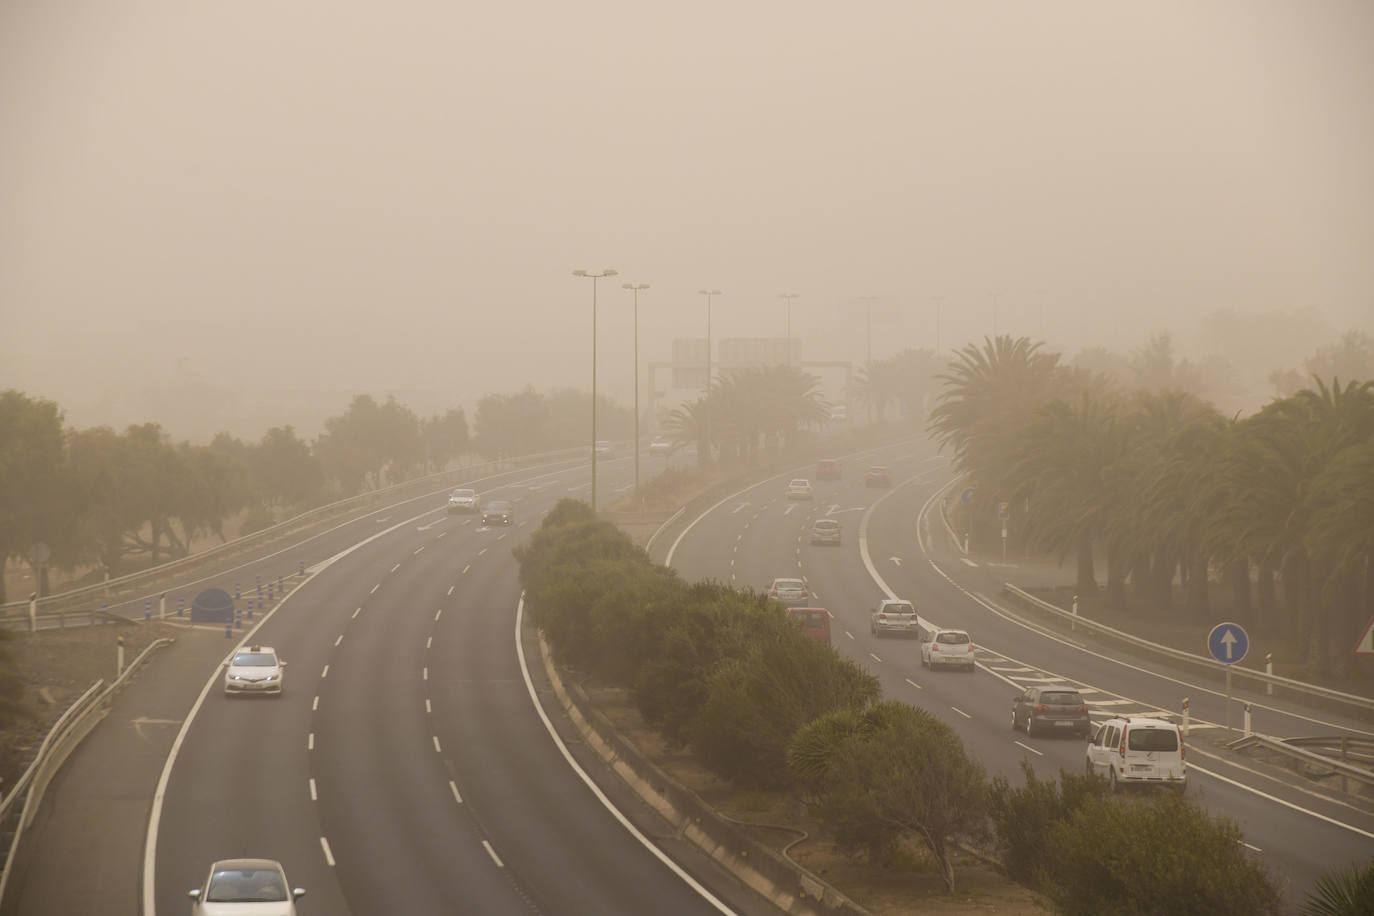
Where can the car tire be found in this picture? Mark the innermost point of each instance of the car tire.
(1116, 786)
(1030, 725)
(1013, 720)
(1088, 767)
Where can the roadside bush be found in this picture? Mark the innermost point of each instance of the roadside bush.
(1347, 892)
(11, 685)
(1022, 817)
(758, 699)
(892, 772)
(1160, 855)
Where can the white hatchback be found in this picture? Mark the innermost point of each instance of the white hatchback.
(1138, 750)
(947, 649)
(254, 669)
(799, 489)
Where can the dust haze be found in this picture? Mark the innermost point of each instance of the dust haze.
(221, 215)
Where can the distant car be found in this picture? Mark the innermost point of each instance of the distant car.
(462, 501)
(814, 621)
(799, 489)
(947, 649)
(661, 446)
(826, 531)
(254, 669)
(496, 512)
(893, 615)
(1138, 750)
(246, 887)
(1054, 709)
(789, 591)
(877, 476)
(604, 449)
(828, 469)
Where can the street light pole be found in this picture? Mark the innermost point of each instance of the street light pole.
(604, 273)
(708, 294)
(937, 300)
(789, 297)
(636, 289)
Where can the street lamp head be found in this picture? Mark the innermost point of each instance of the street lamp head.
(633, 286)
(579, 273)
(608, 272)
(706, 292)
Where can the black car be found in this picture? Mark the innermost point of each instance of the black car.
(496, 512)
(1052, 709)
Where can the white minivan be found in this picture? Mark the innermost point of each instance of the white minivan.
(1138, 750)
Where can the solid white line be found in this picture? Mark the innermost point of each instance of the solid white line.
(450, 589)
(315, 705)
(1248, 846)
(1029, 748)
(456, 797)
(325, 672)
(492, 852)
(310, 742)
(913, 683)
(339, 640)
(1287, 804)
(396, 567)
(328, 855)
(436, 744)
(961, 712)
(313, 795)
(1011, 670)
(596, 790)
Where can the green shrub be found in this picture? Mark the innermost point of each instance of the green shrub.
(1347, 892)
(1160, 855)
(1022, 817)
(12, 708)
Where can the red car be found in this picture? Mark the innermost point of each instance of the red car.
(814, 621)
(877, 476)
(828, 469)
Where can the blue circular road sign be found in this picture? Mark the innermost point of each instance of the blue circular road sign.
(1228, 643)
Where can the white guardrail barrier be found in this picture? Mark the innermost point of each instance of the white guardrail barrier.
(130, 585)
(66, 734)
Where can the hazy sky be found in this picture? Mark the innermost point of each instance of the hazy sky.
(301, 197)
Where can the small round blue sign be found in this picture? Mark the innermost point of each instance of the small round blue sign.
(1228, 643)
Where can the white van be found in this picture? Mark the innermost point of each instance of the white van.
(1138, 750)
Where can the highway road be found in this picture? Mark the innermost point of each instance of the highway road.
(406, 767)
(756, 534)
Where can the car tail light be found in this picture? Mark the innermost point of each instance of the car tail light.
(935, 647)
(1182, 748)
(1122, 749)
(1042, 708)
(1083, 710)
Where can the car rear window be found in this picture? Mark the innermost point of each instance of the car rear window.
(1061, 698)
(952, 639)
(1152, 739)
(254, 660)
(826, 523)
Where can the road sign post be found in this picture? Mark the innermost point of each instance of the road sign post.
(1228, 643)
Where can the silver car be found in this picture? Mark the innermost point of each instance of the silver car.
(250, 887)
(947, 649)
(826, 531)
(462, 500)
(791, 592)
(254, 669)
(895, 616)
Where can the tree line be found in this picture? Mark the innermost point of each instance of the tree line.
(762, 705)
(1278, 506)
(110, 500)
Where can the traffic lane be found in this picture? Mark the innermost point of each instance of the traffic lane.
(395, 825)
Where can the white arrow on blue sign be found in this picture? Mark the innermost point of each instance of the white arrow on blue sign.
(1228, 643)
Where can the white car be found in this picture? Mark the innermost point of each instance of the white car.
(799, 489)
(604, 449)
(462, 500)
(254, 669)
(661, 446)
(947, 649)
(245, 887)
(893, 615)
(1138, 750)
(790, 592)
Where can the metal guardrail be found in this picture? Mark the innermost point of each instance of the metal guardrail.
(1346, 770)
(1201, 661)
(67, 733)
(442, 479)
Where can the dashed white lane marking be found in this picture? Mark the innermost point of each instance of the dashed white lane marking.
(501, 536)
(1010, 670)
(482, 551)
(441, 534)
(418, 549)
(849, 634)
(325, 672)
(310, 742)
(437, 613)
(492, 852)
(374, 588)
(961, 712)
(913, 683)
(1029, 748)
(424, 674)
(337, 641)
(1248, 846)
(874, 657)
(328, 855)
(466, 568)
(428, 710)
(436, 743)
(456, 797)
(356, 613)
(313, 795)
(315, 704)
(1110, 702)
(429, 641)
(396, 567)
(968, 561)
(452, 587)
(1041, 680)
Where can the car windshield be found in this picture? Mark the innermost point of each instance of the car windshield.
(826, 523)
(464, 492)
(787, 583)
(246, 885)
(800, 483)
(878, 469)
(1061, 698)
(952, 639)
(254, 660)
(900, 609)
(1152, 739)
(497, 506)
